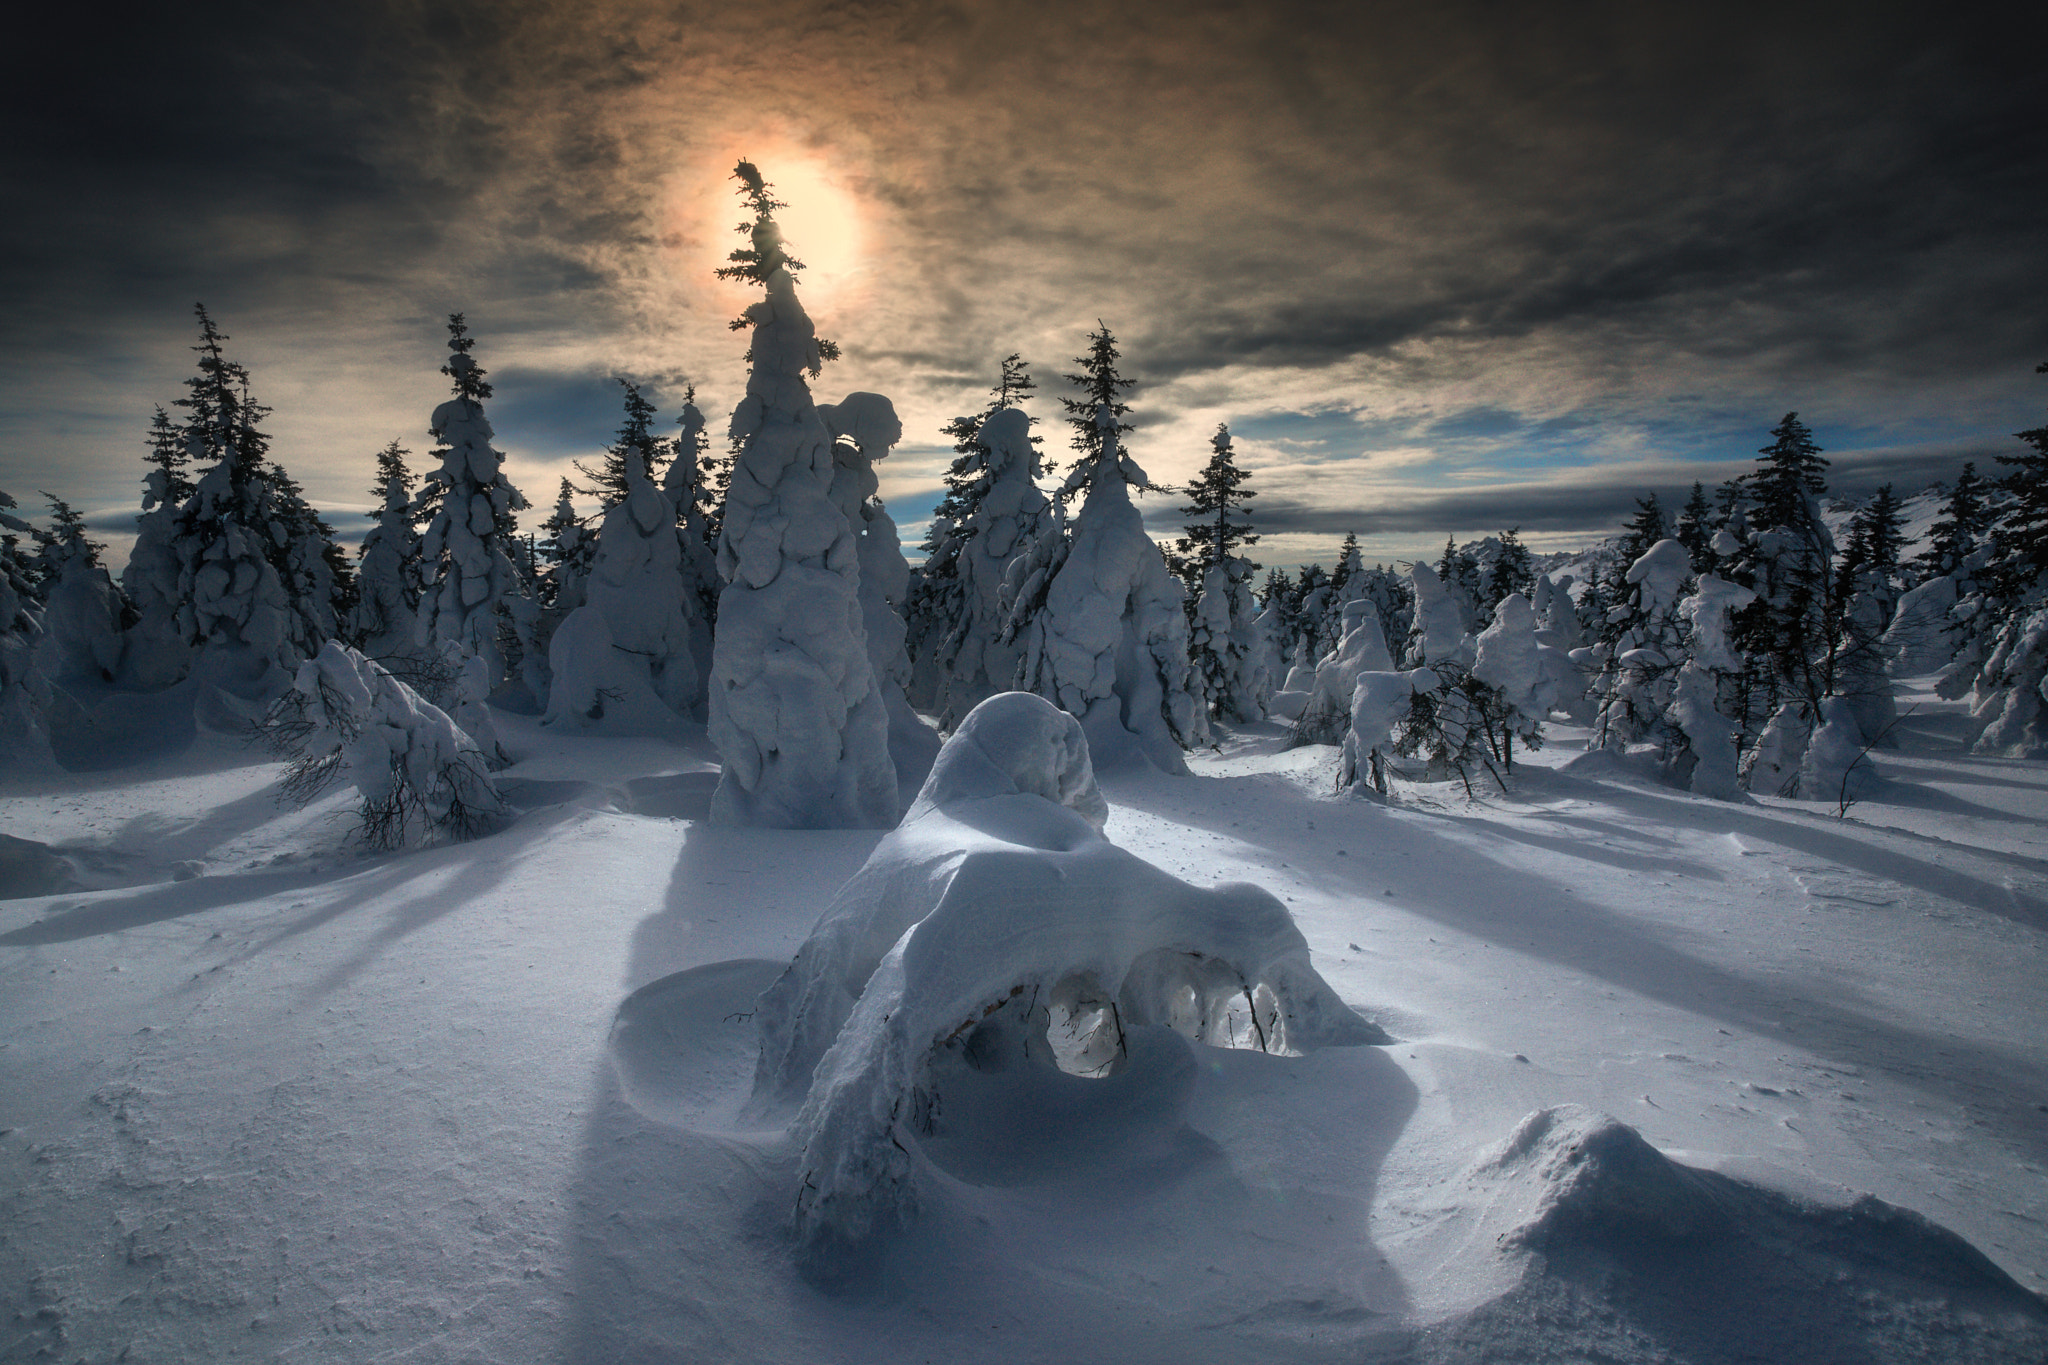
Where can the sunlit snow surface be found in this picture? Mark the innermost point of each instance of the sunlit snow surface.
(265, 1096)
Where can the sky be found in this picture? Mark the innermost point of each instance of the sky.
(1443, 268)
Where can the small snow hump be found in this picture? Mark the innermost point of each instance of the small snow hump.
(1616, 1241)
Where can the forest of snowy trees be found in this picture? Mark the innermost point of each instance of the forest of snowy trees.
(761, 591)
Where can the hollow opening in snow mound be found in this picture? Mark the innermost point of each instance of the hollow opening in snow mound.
(998, 961)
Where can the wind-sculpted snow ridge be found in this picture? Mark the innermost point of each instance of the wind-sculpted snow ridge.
(1632, 1256)
(996, 930)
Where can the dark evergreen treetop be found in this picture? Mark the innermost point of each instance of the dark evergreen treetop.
(168, 452)
(1101, 386)
(467, 374)
(1512, 572)
(635, 446)
(1876, 537)
(1643, 530)
(223, 420)
(391, 465)
(1960, 528)
(66, 531)
(765, 252)
(2024, 550)
(1695, 528)
(1787, 476)
(1213, 535)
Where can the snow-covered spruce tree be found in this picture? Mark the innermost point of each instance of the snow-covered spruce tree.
(1363, 649)
(158, 653)
(24, 736)
(1705, 703)
(1442, 726)
(684, 482)
(1695, 529)
(1512, 571)
(1459, 574)
(993, 511)
(795, 713)
(422, 778)
(2009, 700)
(865, 427)
(234, 594)
(466, 554)
(83, 612)
(1786, 561)
(1643, 653)
(1104, 632)
(1964, 521)
(1866, 595)
(1227, 649)
(567, 548)
(1523, 678)
(1102, 386)
(385, 622)
(623, 658)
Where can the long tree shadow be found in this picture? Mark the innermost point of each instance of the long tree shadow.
(1551, 921)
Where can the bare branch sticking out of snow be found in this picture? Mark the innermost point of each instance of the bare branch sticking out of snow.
(997, 929)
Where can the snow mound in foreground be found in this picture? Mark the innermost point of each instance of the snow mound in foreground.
(997, 930)
(1633, 1256)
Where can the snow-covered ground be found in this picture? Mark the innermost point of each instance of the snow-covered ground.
(263, 1095)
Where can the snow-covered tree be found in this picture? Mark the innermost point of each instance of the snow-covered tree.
(1961, 527)
(467, 568)
(1695, 529)
(998, 902)
(1705, 704)
(567, 548)
(82, 609)
(1225, 638)
(422, 778)
(684, 482)
(158, 652)
(1103, 629)
(865, 427)
(235, 599)
(1786, 561)
(795, 713)
(1643, 653)
(636, 588)
(993, 511)
(385, 622)
(1363, 649)
(24, 737)
(1522, 677)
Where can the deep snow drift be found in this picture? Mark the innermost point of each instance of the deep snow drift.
(265, 1095)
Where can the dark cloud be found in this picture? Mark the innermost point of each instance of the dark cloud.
(1689, 217)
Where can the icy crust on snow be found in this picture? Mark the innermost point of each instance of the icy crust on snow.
(1626, 1254)
(997, 926)
(794, 712)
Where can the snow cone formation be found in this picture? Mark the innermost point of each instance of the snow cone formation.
(996, 930)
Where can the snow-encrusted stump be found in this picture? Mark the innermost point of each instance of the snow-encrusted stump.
(996, 930)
